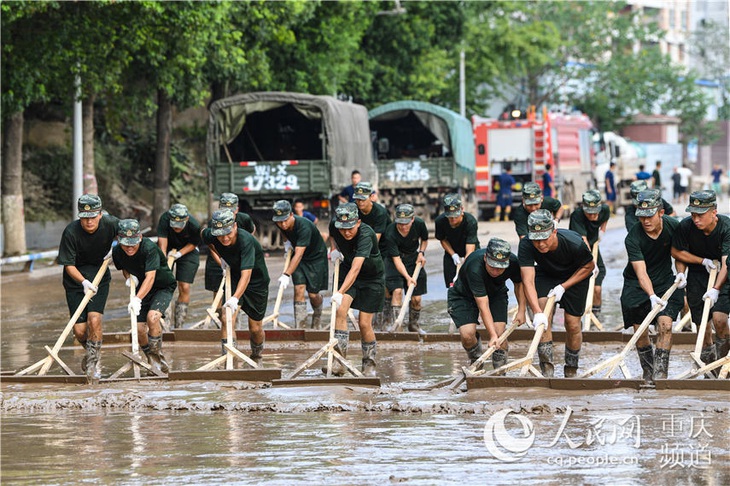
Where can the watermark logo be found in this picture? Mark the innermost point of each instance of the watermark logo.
(503, 445)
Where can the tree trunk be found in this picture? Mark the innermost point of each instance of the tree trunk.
(218, 91)
(90, 186)
(13, 216)
(162, 157)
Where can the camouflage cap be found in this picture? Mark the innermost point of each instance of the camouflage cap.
(128, 232)
(404, 213)
(346, 216)
(282, 210)
(89, 206)
(222, 222)
(648, 203)
(701, 202)
(531, 193)
(498, 252)
(363, 190)
(592, 201)
(178, 216)
(452, 205)
(636, 187)
(540, 225)
(228, 200)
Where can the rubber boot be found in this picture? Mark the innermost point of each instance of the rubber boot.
(224, 351)
(317, 317)
(155, 356)
(343, 338)
(369, 352)
(570, 370)
(545, 355)
(93, 361)
(596, 310)
(722, 347)
(84, 359)
(395, 310)
(388, 316)
(499, 359)
(646, 358)
(413, 316)
(181, 312)
(661, 363)
(257, 351)
(300, 315)
(475, 351)
(708, 356)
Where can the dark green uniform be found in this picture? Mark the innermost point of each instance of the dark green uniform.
(245, 254)
(474, 281)
(581, 225)
(555, 267)
(712, 246)
(213, 272)
(368, 291)
(86, 252)
(630, 218)
(149, 257)
(187, 265)
(313, 270)
(378, 219)
(407, 249)
(519, 214)
(459, 237)
(656, 254)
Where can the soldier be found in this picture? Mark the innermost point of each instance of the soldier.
(648, 275)
(457, 231)
(180, 233)
(630, 218)
(84, 244)
(239, 251)
(480, 290)
(377, 217)
(532, 200)
(361, 282)
(308, 268)
(405, 243)
(555, 262)
(700, 239)
(142, 262)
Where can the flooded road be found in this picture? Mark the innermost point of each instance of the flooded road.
(238, 433)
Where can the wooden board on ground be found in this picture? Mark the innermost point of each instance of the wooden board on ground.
(332, 381)
(261, 374)
(73, 379)
(592, 384)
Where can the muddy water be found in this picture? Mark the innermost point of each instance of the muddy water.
(195, 433)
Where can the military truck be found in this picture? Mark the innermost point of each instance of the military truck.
(266, 146)
(423, 152)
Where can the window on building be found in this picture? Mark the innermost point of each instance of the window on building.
(684, 14)
(671, 18)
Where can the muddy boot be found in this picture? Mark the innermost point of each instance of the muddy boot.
(224, 351)
(369, 352)
(708, 356)
(395, 310)
(257, 351)
(93, 361)
(596, 310)
(646, 358)
(570, 370)
(722, 347)
(661, 363)
(343, 338)
(388, 316)
(84, 359)
(155, 356)
(300, 315)
(181, 312)
(413, 316)
(499, 359)
(545, 355)
(317, 317)
(475, 351)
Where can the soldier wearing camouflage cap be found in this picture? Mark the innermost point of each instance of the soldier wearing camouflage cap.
(590, 222)
(85, 244)
(308, 268)
(178, 236)
(480, 291)
(142, 262)
(702, 240)
(647, 276)
(361, 285)
(532, 200)
(630, 218)
(406, 240)
(555, 262)
(457, 232)
(240, 253)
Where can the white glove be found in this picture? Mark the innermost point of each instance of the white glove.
(539, 319)
(175, 254)
(709, 265)
(284, 281)
(89, 287)
(109, 253)
(287, 246)
(135, 306)
(337, 298)
(595, 271)
(456, 258)
(601, 235)
(656, 300)
(681, 280)
(557, 222)
(224, 266)
(232, 303)
(336, 255)
(558, 292)
(133, 279)
(711, 294)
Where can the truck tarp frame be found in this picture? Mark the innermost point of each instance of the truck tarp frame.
(450, 128)
(345, 124)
